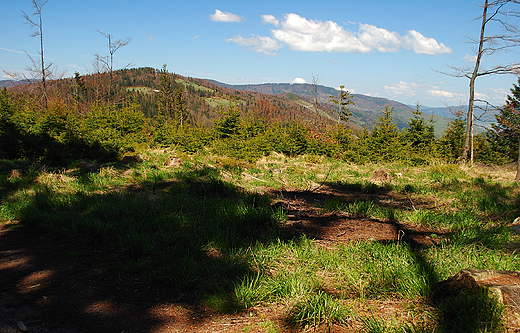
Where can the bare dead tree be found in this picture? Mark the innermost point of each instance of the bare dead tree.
(315, 96)
(497, 12)
(38, 68)
(98, 67)
(113, 46)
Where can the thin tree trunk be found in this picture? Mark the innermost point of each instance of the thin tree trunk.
(111, 65)
(44, 87)
(469, 119)
(517, 178)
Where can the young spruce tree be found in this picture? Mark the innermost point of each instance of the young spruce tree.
(451, 142)
(420, 134)
(165, 97)
(385, 142)
(506, 132)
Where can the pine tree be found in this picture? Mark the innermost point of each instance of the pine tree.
(80, 89)
(229, 123)
(181, 112)
(384, 139)
(341, 104)
(165, 96)
(420, 134)
(452, 141)
(506, 132)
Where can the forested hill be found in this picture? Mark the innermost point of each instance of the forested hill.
(203, 99)
(364, 112)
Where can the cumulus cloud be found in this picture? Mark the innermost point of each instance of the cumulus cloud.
(261, 44)
(220, 16)
(424, 45)
(302, 34)
(437, 91)
(270, 19)
(379, 39)
(441, 93)
(500, 91)
(310, 35)
(402, 88)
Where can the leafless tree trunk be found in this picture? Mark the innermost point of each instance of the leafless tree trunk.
(113, 46)
(468, 143)
(494, 11)
(43, 70)
(517, 178)
(316, 96)
(97, 69)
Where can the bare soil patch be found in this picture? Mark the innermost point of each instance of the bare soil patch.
(306, 217)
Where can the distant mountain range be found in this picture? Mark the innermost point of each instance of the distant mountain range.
(365, 110)
(10, 83)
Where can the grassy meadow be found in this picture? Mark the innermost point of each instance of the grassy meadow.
(213, 229)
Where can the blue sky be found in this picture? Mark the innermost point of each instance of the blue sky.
(390, 49)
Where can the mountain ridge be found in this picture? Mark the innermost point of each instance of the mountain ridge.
(364, 112)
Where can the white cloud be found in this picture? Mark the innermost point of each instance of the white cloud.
(402, 88)
(424, 45)
(301, 34)
(379, 39)
(481, 96)
(332, 61)
(441, 93)
(500, 91)
(220, 16)
(411, 89)
(310, 35)
(75, 66)
(149, 37)
(261, 44)
(499, 95)
(270, 19)
(1, 48)
(298, 80)
(469, 58)
(10, 75)
(352, 91)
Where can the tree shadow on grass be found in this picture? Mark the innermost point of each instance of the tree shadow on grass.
(459, 310)
(107, 260)
(116, 259)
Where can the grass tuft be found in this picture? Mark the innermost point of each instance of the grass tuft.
(319, 309)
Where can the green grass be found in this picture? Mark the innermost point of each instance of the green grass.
(318, 309)
(145, 90)
(217, 102)
(210, 218)
(194, 85)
